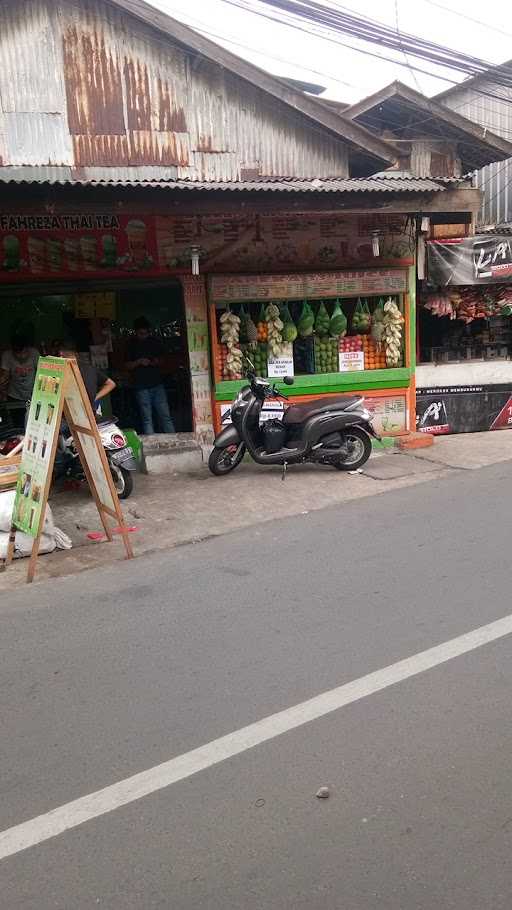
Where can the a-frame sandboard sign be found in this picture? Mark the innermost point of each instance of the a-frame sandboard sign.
(59, 391)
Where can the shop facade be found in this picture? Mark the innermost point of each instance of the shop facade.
(464, 372)
(90, 267)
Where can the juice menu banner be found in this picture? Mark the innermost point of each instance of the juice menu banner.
(49, 246)
(43, 425)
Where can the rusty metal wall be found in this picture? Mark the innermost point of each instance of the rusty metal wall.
(83, 86)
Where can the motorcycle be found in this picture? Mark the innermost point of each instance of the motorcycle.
(329, 431)
(120, 457)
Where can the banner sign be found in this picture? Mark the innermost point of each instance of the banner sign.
(46, 246)
(464, 409)
(231, 288)
(59, 390)
(482, 259)
(70, 246)
(42, 430)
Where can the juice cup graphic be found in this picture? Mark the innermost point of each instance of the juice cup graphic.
(89, 250)
(36, 255)
(72, 253)
(54, 255)
(136, 233)
(11, 247)
(109, 244)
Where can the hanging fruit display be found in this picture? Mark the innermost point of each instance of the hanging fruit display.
(393, 322)
(377, 330)
(251, 330)
(275, 330)
(322, 321)
(230, 326)
(361, 319)
(289, 328)
(306, 321)
(338, 322)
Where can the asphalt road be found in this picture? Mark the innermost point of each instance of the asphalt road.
(117, 671)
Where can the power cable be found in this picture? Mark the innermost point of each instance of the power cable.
(448, 9)
(369, 31)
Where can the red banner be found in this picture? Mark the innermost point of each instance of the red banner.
(41, 247)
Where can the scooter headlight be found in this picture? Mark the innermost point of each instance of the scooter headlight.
(365, 414)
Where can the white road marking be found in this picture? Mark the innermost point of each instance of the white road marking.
(63, 818)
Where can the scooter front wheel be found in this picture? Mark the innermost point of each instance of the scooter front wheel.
(123, 481)
(357, 447)
(222, 461)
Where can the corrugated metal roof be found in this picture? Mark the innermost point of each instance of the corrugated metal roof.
(379, 184)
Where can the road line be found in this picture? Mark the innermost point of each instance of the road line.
(70, 815)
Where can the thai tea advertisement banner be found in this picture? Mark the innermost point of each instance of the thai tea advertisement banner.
(42, 247)
(482, 259)
(49, 246)
(43, 424)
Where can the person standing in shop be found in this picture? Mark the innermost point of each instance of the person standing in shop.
(17, 375)
(97, 383)
(145, 354)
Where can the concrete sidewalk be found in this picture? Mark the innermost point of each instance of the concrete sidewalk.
(173, 509)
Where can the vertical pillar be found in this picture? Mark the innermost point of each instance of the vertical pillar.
(196, 313)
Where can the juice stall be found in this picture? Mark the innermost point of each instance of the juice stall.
(335, 332)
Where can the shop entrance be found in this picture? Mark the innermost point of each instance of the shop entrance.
(100, 320)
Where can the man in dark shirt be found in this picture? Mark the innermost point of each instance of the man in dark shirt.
(145, 354)
(97, 383)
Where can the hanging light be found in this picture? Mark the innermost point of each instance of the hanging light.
(194, 257)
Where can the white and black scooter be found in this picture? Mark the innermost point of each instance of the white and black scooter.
(329, 431)
(120, 457)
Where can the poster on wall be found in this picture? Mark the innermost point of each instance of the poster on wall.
(49, 246)
(482, 259)
(464, 409)
(388, 415)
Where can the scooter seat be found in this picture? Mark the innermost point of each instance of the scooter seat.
(298, 413)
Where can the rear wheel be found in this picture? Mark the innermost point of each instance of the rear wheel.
(222, 461)
(356, 450)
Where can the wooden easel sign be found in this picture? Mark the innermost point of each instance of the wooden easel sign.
(59, 390)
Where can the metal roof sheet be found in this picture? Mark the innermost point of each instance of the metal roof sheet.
(383, 183)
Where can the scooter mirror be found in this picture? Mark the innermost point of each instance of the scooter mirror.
(288, 380)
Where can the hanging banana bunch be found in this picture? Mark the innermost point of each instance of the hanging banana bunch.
(275, 330)
(392, 333)
(230, 326)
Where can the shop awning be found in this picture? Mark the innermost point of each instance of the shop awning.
(383, 183)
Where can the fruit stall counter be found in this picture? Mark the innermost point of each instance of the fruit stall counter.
(336, 333)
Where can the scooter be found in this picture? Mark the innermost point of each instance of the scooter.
(329, 431)
(120, 457)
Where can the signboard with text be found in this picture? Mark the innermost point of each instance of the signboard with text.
(282, 365)
(50, 246)
(59, 390)
(482, 259)
(231, 288)
(351, 360)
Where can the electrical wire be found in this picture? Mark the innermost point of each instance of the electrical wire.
(204, 28)
(370, 31)
(448, 9)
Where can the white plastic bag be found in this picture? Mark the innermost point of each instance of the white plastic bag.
(51, 538)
